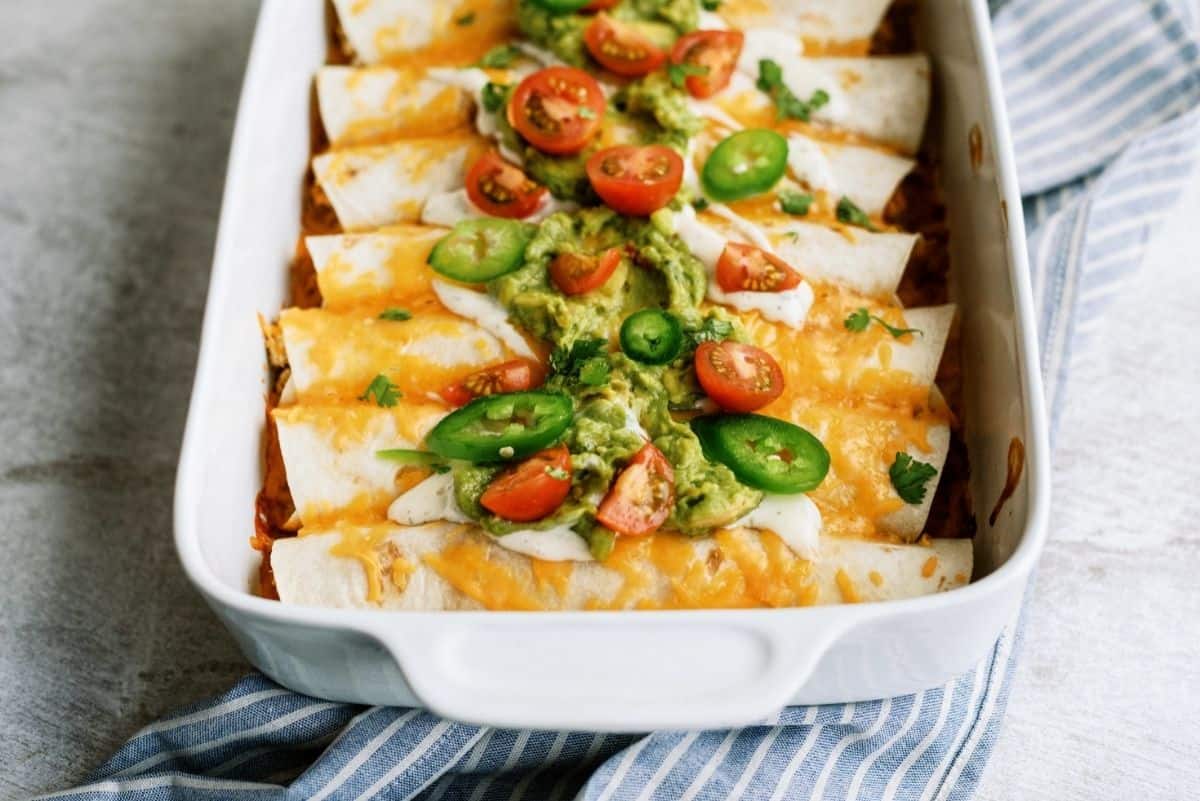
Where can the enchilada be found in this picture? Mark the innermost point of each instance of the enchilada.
(617, 322)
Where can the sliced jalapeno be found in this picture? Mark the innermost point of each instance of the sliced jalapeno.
(652, 336)
(744, 164)
(763, 452)
(496, 428)
(479, 250)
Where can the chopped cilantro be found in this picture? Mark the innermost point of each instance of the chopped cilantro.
(678, 73)
(710, 5)
(382, 391)
(499, 56)
(713, 329)
(909, 477)
(493, 96)
(585, 361)
(860, 318)
(465, 19)
(395, 315)
(770, 80)
(700, 203)
(797, 203)
(851, 214)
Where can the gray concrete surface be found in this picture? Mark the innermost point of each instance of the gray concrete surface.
(114, 124)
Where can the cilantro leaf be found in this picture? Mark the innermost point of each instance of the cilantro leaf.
(860, 318)
(678, 73)
(710, 5)
(713, 329)
(851, 214)
(395, 315)
(797, 203)
(382, 390)
(585, 361)
(909, 477)
(494, 96)
(788, 106)
(465, 19)
(700, 203)
(499, 56)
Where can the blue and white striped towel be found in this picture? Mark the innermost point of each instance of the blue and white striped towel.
(1103, 96)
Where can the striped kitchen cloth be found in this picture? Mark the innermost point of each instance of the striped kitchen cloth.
(1103, 98)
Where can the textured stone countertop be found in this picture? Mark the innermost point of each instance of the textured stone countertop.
(116, 122)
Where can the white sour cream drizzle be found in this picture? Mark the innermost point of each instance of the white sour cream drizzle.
(433, 500)
(789, 307)
(794, 518)
(809, 164)
(486, 312)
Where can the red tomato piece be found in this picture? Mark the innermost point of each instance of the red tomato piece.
(621, 48)
(739, 378)
(558, 109)
(747, 268)
(714, 51)
(577, 273)
(636, 180)
(641, 498)
(502, 189)
(532, 489)
(516, 375)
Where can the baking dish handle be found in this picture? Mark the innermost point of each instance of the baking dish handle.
(605, 672)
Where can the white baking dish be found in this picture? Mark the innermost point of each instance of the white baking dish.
(677, 669)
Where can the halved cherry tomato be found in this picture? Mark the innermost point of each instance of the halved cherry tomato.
(747, 268)
(516, 375)
(621, 48)
(600, 5)
(558, 109)
(739, 378)
(502, 189)
(716, 51)
(636, 180)
(532, 489)
(576, 273)
(641, 498)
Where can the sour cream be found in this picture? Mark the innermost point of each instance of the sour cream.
(486, 312)
(795, 519)
(433, 500)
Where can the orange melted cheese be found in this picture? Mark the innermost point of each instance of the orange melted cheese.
(464, 34)
(346, 351)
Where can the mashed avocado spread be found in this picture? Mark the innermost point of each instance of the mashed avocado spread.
(562, 33)
(619, 403)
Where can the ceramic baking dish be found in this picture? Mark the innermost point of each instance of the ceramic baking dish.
(678, 669)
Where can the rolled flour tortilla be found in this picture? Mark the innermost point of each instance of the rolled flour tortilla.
(383, 265)
(364, 105)
(339, 354)
(369, 187)
(447, 566)
(330, 453)
(381, 30)
(882, 98)
(825, 20)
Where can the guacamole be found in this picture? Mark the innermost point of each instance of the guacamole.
(662, 21)
(619, 403)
